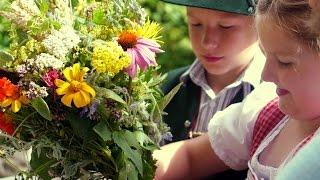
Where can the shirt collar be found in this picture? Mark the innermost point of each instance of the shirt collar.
(252, 74)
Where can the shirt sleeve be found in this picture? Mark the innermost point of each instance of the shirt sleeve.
(230, 131)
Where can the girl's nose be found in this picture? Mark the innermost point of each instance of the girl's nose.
(269, 71)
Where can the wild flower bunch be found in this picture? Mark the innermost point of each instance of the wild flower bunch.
(81, 89)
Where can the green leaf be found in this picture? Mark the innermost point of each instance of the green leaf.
(112, 95)
(156, 81)
(5, 57)
(42, 108)
(82, 127)
(167, 98)
(43, 6)
(41, 164)
(98, 16)
(132, 141)
(128, 171)
(120, 139)
(145, 141)
(103, 130)
(132, 172)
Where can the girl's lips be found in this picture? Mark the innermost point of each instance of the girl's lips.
(282, 92)
(212, 58)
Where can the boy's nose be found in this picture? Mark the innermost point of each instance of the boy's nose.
(210, 39)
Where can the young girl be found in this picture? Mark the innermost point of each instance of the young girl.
(267, 141)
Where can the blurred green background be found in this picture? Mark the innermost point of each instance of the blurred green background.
(174, 33)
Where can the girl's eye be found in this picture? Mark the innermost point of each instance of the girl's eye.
(284, 64)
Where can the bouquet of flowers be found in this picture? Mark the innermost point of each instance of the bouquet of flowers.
(80, 87)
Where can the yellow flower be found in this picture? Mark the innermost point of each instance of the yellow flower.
(150, 30)
(15, 102)
(75, 89)
(109, 58)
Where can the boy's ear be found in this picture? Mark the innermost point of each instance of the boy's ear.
(314, 4)
(12, 76)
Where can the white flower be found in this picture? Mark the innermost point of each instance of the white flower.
(48, 61)
(54, 45)
(42, 62)
(59, 43)
(29, 6)
(22, 11)
(70, 39)
(63, 12)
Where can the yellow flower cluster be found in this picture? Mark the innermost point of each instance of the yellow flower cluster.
(110, 58)
(150, 30)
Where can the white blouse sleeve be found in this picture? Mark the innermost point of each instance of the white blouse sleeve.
(230, 131)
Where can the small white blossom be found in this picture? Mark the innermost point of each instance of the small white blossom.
(63, 12)
(29, 6)
(22, 11)
(42, 62)
(21, 70)
(55, 46)
(35, 91)
(59, 43)
(48, 61)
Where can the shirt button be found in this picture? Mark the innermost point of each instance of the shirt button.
(187, 123)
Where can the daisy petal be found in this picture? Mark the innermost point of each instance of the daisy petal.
(67, 99)
(75, 71)
(86, 97)
(6, 102)
(142, 61)
(79, 100)
(59, 82)
(15, 106)
(68, 74)
(148, 55)
(85, 87)
(63, 89)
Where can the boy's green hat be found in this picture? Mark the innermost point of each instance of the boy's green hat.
(245, 7)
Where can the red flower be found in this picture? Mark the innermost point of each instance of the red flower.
(7, 89)
(6, 124)
(49, 78)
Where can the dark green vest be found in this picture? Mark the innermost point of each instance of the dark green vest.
(184, 106)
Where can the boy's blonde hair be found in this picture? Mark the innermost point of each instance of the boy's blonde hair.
(295, 17)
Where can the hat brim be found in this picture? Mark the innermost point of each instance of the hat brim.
(231, 6)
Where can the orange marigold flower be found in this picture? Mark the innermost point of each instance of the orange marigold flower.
(6, 88)
(6, 124)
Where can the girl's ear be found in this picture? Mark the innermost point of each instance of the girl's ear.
(314, 21)
(12, 76)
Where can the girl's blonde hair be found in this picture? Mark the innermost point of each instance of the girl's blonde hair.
(295, 17)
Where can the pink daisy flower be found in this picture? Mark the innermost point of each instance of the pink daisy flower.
(143, 51)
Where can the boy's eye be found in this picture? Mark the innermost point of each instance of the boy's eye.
(196, 24)
(226, 26)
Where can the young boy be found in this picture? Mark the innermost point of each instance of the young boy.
(227, 68)
(228, 64)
